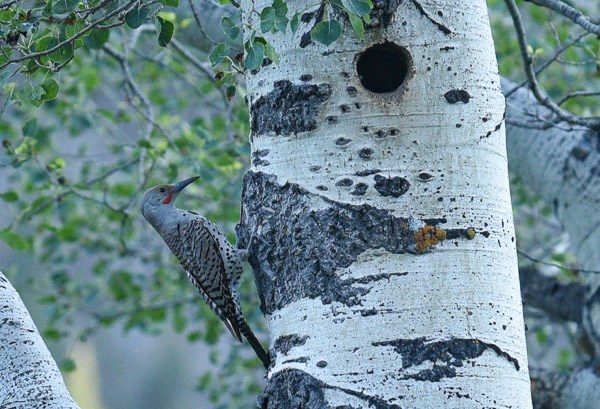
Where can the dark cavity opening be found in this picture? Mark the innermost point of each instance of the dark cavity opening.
(383, 67)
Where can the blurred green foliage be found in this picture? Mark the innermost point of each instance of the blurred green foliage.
(89, 124)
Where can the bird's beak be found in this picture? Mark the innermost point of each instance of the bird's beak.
(181, 185)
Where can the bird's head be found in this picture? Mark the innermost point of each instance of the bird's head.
(161, 197)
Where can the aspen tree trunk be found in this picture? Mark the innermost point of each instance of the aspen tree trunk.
(29, 377)
(379, 196)
(561, 164)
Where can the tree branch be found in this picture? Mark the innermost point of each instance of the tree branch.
(542, 98)
(571, 13)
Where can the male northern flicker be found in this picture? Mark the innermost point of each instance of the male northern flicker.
(212, 264)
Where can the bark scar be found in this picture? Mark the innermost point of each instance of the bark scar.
(423, 12)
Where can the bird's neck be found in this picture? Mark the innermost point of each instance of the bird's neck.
(165, 220)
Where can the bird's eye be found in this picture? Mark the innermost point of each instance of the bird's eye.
(163, 190)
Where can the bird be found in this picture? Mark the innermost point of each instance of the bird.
(212, 263)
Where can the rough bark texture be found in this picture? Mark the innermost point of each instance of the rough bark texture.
(384, 246)
(29, 377)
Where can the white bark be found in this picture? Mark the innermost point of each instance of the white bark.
(561, 164)
(409, 341)
(29, 377)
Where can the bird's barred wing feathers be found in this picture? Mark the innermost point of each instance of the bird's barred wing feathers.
(199, 254)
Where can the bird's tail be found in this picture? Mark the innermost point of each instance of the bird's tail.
(254, 343)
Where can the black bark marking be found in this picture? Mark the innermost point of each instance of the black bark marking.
(289, 108)
(445, 355)
(332, 120)
(322, 364)
(497, 127)
(314, 168)
(457, 95)
(345, 182)
(580, 153)
(306, 40)
(306, 77)
(302, 360)
(392, 186)
(368, 313)
(425, 177)
(382, 13)
(344, 109)
(257, 157)
(301, 249)
(301, 246)
(367, 172)
(424, 13)
(342, 141)
(366, 153)
(447, 48)
(352, 91)
(360, 189)
(435, 222)
(296, 389)
(285, 343)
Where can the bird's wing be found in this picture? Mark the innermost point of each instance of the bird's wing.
(201, 257)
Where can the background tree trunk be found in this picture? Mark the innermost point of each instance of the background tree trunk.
(386, 255)
(560, 163)
(29, 377)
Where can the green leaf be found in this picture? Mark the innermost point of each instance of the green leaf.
(15, 241)
(179, 319)
(67, 365)
(96, 38)
(218, 54)
(166, 31)
(295, 23)
(326, 32)
(9, 196)
(230, 28)
(51, 334)
(357, 25)
(137, 17)
(68, 233)
(358, 7)
(226, 78)
(6, 15)
(230, 92)
(121, 285)
(30, 128)
(255, 53)
(63, 54)
(157, 314)
(50, 87)
(64, 6)
(144, 143)
(170, 3)
(271, 53)
(281, 20)
(123, 189)
(267, 19)
(193, 336)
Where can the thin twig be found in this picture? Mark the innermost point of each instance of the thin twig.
(549, 264)
(571, 13)
(531, 77)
